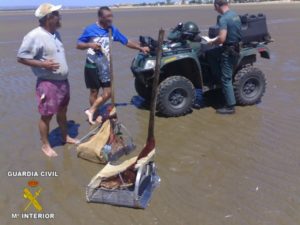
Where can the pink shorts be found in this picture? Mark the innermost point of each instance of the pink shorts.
(52, 96)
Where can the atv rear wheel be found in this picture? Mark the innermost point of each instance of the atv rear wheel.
(142, 90)
(176, 95)
(249, 86)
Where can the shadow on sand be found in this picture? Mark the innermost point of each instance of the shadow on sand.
(55, 135)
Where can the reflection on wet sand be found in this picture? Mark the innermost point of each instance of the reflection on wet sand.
(241, 169)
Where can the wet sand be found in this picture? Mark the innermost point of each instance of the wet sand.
(215, 170)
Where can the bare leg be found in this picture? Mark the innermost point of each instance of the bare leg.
(93, 95)
(61, 118)
(44, 132)
(99, 101)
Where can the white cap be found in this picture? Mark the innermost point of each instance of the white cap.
(45, 9)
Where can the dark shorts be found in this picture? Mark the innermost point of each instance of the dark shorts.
(52, 96)
(92, 79)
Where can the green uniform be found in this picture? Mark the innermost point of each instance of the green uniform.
(231, 22)
(222, 60)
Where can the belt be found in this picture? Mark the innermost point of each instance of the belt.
(232, 48)
(231, 44)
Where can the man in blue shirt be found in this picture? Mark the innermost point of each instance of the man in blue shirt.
(95, 39)
(223, 58)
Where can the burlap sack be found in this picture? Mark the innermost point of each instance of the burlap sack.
(91, 150)
(112, 170)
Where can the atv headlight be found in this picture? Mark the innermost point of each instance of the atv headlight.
(150, 64)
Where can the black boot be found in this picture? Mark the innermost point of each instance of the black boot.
(226, 110)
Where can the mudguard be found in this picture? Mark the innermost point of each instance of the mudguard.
(251, 52)
(178, 58)
(170, 59)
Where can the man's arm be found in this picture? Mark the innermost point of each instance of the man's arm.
(47, 64)
(118, 36)
(84, 43)
(134, 45)
(222, 22)
(84, 46)
(221, 38)
(28, 51)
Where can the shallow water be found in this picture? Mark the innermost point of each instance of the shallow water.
(241, 169)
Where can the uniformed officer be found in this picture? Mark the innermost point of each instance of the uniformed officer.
(225, 56)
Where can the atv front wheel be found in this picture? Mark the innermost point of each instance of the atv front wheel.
(176, 95)
(249, 86)
(142, 90)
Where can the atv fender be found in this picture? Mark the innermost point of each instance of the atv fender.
(183, 65)
(264, 51)
(247, 55)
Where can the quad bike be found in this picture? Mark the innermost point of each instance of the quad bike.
(184, 66)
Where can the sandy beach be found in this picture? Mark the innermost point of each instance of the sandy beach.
(235, 170)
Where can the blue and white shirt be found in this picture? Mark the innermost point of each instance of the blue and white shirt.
(96, 34)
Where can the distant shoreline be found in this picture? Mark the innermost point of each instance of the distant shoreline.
(70, 9)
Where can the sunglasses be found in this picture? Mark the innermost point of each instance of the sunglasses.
(55, 13)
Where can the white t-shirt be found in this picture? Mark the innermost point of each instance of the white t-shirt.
(41, 45)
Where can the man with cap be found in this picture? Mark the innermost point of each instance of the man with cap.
(223, 59)
(43, 51)
(95, 39)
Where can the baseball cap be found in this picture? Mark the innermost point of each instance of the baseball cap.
(45, 9)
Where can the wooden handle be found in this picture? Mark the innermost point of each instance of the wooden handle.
(155, 84)
(111, 71)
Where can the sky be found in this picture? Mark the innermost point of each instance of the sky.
(17, 3)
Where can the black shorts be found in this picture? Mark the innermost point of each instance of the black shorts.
(92, 80)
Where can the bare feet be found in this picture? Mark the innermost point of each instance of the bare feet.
(46, 148)
(90, 116)
(70, 140)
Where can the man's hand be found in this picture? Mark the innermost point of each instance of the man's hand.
(95, 46)
(145, 50)
(84, 46)
(50, 65)
(135, 45)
